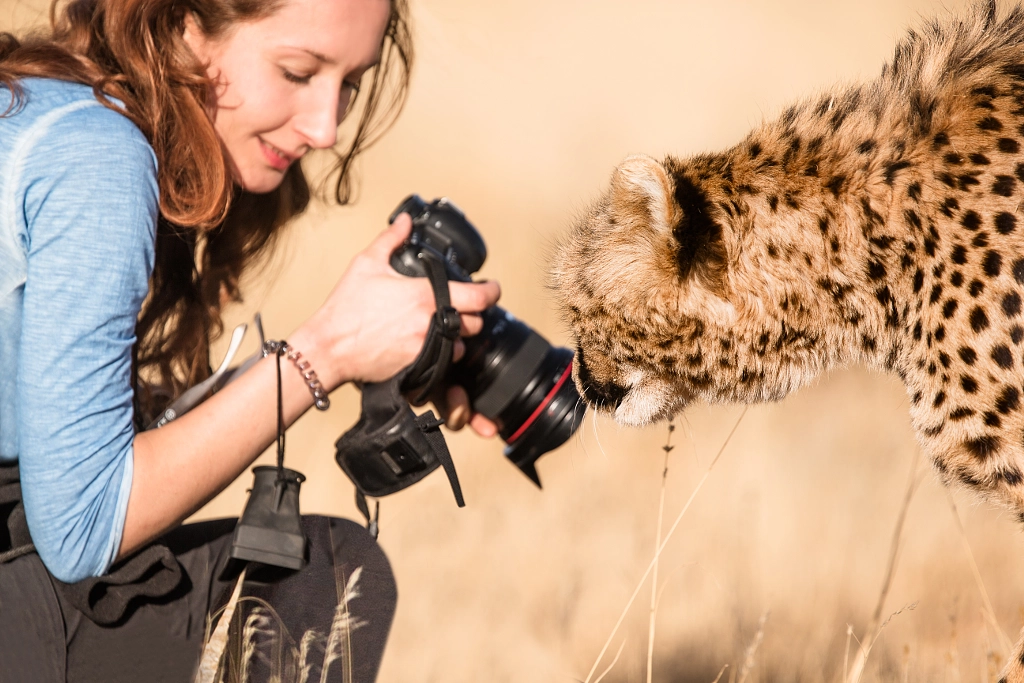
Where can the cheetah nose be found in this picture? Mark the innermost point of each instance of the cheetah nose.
(607, 395)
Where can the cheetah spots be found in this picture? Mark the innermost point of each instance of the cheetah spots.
(1005, 223)
(1008, 145)
(980, 240)
(1004, 185)
(934, 430)
(940, 140)
(1016, 334)
(893, 168)
(944, 359)
(967, 355)
(1011, 475)
(953, 158)
(1018, 271)
(876, 271)
(956, 279)
(970, 220)
(1011, 305)
(976, 288)
(1019, 171)
(992, 263)
(940, 398)
(990, 123)
(773, 203)
(959, 256)
(918, 280)
(940, 333)
(949, 206)
(983, 446)
(837, 290)
(755, 150)
(961, 413)
(914, 192)
(866, 146)
(1002, 356)
(949, 308)
(835, 184)
(979, 319)
(969, 384)
(935, 294)
(968, 179)
(992, 420)
(1008, 401)
(979, 159)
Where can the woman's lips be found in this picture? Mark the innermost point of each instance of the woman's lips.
(275, 157)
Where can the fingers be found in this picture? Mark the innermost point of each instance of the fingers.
(458, 408)
(390, 239)
(482, 426)
(473, 297)
(471, 325)
(460, 414)
(458, 350)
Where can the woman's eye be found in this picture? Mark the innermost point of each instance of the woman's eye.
(295, 78)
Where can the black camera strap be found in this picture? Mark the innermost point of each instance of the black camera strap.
(430, 367)
(391, 447)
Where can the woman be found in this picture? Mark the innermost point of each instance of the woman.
(149, 155)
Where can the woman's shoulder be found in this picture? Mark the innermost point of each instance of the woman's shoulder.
(65, 114)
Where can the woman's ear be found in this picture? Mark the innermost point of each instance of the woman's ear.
(195, 38)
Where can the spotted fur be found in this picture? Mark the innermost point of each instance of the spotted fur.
(878, 224)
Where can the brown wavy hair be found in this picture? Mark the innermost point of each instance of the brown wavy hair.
(209, 230)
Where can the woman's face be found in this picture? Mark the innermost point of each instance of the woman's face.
(285, 81)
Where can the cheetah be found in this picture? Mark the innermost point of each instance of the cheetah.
(878, 223)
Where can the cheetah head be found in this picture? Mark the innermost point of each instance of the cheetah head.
(667, 306)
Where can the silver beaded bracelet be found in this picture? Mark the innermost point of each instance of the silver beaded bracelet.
(276, 347)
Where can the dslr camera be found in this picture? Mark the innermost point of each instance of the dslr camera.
(512, 375)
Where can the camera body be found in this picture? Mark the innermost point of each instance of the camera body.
(512, 375)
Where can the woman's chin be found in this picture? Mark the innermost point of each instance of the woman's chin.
(260, 181)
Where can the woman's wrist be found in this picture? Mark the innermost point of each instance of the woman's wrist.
(323, 354)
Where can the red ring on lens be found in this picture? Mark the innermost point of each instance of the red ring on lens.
(543, 404)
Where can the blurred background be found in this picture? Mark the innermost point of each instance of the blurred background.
(519, 112)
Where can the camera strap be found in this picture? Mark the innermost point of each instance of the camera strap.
(391, 447)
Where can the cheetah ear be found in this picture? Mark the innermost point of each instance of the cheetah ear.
(642, 193)
(677, 217)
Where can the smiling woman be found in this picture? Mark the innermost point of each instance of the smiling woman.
(283, 85)
(150, 153)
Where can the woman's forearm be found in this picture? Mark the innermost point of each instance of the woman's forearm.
(183, 465)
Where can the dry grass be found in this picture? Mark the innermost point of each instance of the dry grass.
(518, 112)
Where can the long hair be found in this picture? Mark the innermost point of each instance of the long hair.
(209, 231)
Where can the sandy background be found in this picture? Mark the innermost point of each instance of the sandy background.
(519, 111)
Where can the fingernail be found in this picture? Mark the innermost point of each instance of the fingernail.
(457, 417)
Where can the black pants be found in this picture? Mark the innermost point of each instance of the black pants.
(334, 614)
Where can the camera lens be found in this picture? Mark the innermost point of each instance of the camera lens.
(521, 382)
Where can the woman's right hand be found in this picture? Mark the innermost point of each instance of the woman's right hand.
(375, 320)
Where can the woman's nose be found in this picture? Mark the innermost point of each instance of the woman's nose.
(318, 122)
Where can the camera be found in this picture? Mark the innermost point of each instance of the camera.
(512, 375)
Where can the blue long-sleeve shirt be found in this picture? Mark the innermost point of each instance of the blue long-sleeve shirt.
(78, 211)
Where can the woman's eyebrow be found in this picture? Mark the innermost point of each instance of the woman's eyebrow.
(319, 56)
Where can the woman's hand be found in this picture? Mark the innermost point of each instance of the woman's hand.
(375, 320)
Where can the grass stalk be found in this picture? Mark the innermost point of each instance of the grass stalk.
(657, 542)
(661, 547)
(748, 660)
(990, 613)
(875, 625)
(213, 648)
(612, 665)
